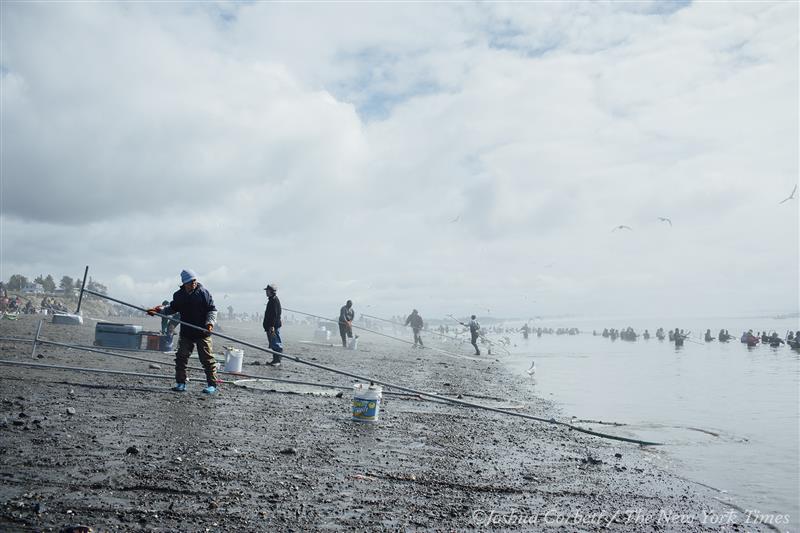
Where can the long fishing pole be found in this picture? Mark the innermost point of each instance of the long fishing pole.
(481, 335)
(457, 339)
(385, 383)
(362, 328)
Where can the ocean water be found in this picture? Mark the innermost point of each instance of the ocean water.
(729, 415)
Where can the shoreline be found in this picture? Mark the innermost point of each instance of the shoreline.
(248, 459)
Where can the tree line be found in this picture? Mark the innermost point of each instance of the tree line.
(18, 282)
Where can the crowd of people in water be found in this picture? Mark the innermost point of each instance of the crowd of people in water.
(679, 336)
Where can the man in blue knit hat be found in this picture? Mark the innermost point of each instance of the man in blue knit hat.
(196, 307)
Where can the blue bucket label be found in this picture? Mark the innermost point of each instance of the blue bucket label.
(365, 409)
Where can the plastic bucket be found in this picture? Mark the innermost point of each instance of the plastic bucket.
(233, 359)
(352, 343)
(165, 343)
(366, 402)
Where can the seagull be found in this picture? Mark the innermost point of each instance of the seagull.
(532, 369)
(791, 196)
(665, 219)
(456, 219)
(622, 227)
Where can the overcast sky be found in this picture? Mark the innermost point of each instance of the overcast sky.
(452, 157)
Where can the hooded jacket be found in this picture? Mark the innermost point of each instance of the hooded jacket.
(196, 308)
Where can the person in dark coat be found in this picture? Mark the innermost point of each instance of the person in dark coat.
(415, 321)
(346, 316)
(474, 333)
(272, 323)
(196, 307)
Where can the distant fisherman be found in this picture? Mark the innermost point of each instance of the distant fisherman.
(346, 315)
(679, 337)
(474, 331)
(196, 307)
(415, 321)
(272, 324)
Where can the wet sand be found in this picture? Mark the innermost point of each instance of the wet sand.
(135, 456)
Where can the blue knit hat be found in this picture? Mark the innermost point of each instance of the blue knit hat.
(187, 276)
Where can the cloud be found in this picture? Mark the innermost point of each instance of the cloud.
(329, 148)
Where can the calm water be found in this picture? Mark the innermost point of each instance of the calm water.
(749, 398)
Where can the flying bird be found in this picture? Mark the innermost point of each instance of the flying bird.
(622, 226)
(791, 196)
(665, 219)
(456, 219)
(532, 369)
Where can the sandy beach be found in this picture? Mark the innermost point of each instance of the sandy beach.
(123, 453)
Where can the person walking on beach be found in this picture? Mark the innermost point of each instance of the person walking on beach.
(475, 332)
(196, 307)
(272, 324)
(415, 321)
(346, 315)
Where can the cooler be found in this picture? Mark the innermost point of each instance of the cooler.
(118, 335)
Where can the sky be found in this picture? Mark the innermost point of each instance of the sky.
(450, 157)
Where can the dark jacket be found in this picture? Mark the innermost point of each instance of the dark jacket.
(196, 308)
(345, 314)
(272, 315)
(415, 321)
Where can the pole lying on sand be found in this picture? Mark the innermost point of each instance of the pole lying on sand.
(143, 359)
(385, 383)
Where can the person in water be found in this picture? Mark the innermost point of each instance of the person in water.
(678, 337)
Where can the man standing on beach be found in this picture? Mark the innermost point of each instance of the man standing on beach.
(272, 323)
(415, 321)
(346, 315)
(474, 331)
(196, 307)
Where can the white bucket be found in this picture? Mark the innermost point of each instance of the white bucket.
(366, 402)
(352, 343)
(233, 359)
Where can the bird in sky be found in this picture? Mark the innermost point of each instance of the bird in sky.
(791, 196)
(622, 226)
(665, 219)
(456, 219)
(532, 369)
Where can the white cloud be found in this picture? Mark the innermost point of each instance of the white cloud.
(447, 157)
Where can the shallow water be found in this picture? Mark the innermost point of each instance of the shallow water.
(727, 414)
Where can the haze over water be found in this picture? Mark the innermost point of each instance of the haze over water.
(727, 414)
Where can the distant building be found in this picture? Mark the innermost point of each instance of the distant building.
(33, 288)
(64, 292)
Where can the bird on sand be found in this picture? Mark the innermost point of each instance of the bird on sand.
(532, 369)
(665, 219)
(791, 196)
(622, 226)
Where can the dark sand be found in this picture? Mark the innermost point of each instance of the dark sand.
(216, 463)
